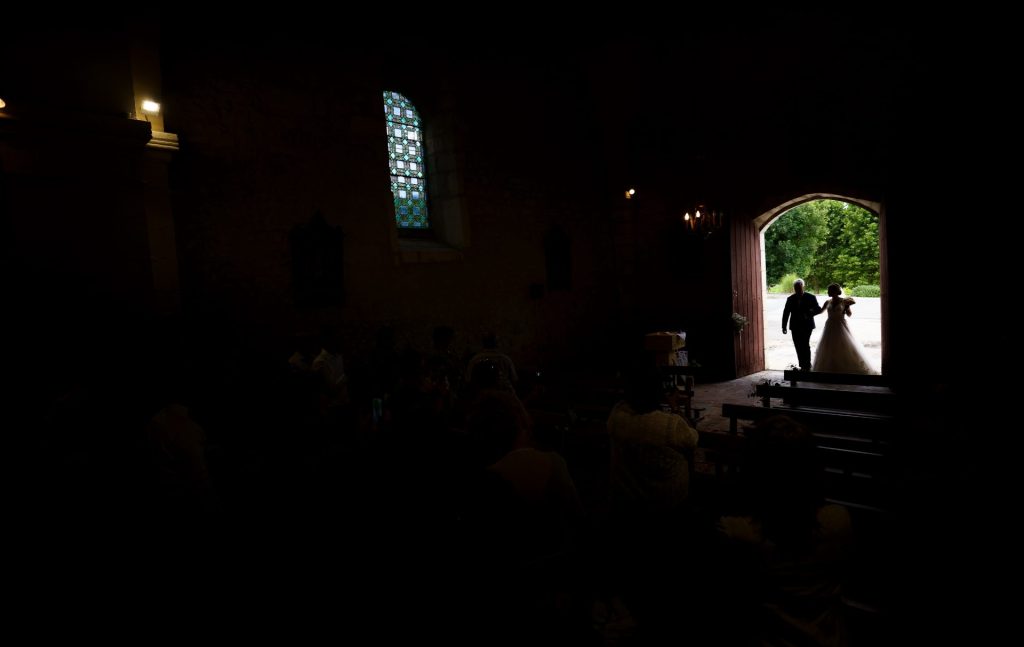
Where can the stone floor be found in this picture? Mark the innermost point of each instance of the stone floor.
(711, 396)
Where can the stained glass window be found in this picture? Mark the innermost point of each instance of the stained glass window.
(405, 157)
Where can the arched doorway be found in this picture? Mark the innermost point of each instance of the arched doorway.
(749, 293)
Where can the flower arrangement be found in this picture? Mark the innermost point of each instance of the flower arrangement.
(767, 382)
(739, 322)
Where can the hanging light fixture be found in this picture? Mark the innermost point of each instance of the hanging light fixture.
(702, 220)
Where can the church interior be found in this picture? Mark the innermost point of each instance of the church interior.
(336, 328)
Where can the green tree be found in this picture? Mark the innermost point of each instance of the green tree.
(848, 252)
(792, 240)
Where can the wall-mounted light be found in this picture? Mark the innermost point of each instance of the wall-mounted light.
(150, 107)
(3, 104)
(630, 193)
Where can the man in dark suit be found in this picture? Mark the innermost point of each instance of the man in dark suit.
(801, 306)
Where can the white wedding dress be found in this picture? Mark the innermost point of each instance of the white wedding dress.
(838, 350)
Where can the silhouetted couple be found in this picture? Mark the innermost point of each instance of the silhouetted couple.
(838, 350)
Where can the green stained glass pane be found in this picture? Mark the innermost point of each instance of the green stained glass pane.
(405, 159)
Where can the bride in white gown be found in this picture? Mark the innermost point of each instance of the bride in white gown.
(838, 350)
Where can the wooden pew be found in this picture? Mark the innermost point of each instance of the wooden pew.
(856, 466)
(852, 463)
(856, 477)
(863, 424)
(796, 377)
(847, 430)
(799, 396)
